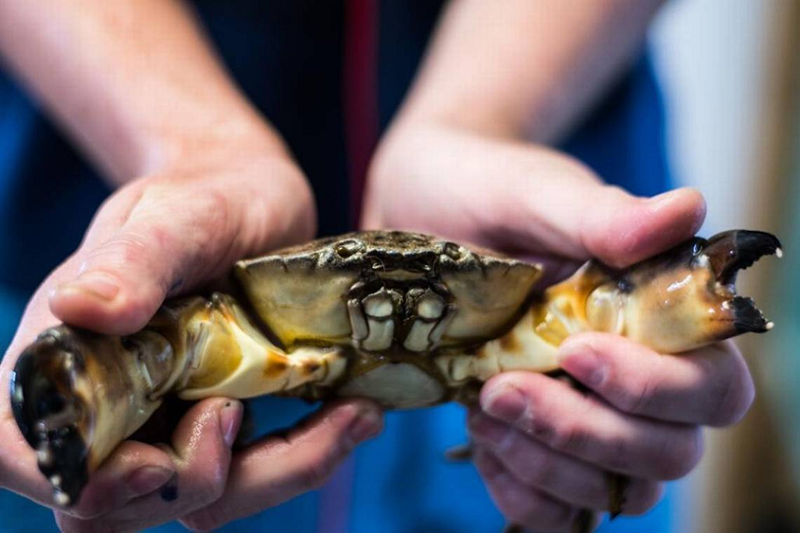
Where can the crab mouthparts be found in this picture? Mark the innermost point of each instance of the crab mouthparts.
(736, 250)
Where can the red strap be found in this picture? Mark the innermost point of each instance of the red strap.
(361, 121)
(361, 134)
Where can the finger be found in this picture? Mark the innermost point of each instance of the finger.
(518, 503)
(563, 477)
(547, 203)
(135, 469)
(201, 454)
(586, 427)
(569, 211)
(169, 237)
(621, 229)
(708, 386)
(164, 242)
(279, 468)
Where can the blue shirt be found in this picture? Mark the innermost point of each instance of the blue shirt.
(400, 482)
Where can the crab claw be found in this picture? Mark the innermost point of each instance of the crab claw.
(683, 298)
(691, 290)
(51, 416)
(736, 250)
(75, 395)
(727, 254)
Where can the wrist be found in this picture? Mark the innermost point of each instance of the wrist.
(168, 150)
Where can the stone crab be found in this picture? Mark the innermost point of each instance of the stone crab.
(405, 319)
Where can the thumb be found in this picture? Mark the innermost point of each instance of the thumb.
(622, 229)
(549, 203)
(164, 244)
(171, 238)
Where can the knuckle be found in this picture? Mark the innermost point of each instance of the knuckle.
(565, 436)
(315, 474)
(735, 399)
(535, 511)
(207, 519)
(638, 397)
(95, 501)
(215, 218)
(644, 497)
(64, 522)
(194, 233)
(87, 508)
(678, 457)
(198, 525)
(617, 456)
(538, 469)
(124, 247)
(70, 524)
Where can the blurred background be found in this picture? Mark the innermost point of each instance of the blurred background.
(730, 71)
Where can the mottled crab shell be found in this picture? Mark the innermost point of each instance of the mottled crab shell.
(301, 293)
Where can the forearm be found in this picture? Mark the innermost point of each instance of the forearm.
(522, 67)
(135, 84)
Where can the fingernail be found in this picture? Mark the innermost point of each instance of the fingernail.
(230, 420)
(582, 363)
(365, 426)
(148, 479)
(505, 402)
(99, 284)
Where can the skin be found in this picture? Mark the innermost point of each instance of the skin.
(138, 89)
(543, 448)
(191, 158)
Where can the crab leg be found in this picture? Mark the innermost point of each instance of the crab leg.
(76, 395)
(672, 303)
(232, 358)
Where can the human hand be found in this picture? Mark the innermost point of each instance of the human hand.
(548, 455)
(527, 200)
(161, 235)
(546, 449)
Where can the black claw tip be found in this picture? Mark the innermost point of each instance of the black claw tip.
(747, 317)
(49, 416)
(736, 250)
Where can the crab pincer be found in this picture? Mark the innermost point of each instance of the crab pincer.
(404, 319)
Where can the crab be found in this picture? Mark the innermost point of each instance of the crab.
(405, 319)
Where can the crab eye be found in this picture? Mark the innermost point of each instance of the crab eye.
(453, 251)
(349, 247)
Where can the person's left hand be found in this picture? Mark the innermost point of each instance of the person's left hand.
(543, 448)
(161, 235)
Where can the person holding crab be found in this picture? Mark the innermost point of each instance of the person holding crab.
(207, 132)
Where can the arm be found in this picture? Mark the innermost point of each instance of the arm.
(522, 68)
(458, 162)
(498, 76)
(135, 84)
(206, 182)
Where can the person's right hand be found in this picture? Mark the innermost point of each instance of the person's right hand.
(542, 448)
(159, 236)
